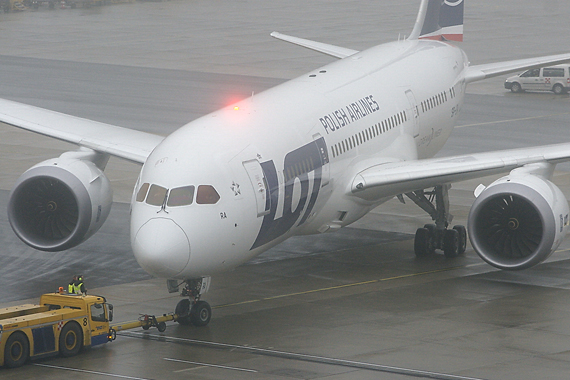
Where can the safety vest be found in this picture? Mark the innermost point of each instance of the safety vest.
(77, 288)
(70, 288)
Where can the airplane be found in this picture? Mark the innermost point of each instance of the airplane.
(309, 156)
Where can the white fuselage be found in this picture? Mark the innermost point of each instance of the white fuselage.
(282, 162)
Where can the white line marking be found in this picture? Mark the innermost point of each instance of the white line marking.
(211, 365)
(91, 372)
(320, 359)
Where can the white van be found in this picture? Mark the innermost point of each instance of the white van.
(555, 79)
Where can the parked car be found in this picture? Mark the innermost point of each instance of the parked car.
(555, 79)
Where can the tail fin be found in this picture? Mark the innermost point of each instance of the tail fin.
(439, 20)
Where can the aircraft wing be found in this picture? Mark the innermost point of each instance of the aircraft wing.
(332, 50)
(393, 178)
(117, 141)
(479, 72)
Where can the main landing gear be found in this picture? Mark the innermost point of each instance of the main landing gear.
(451, 241)
(193, 311)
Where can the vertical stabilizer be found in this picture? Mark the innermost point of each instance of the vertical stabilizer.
(439, 20)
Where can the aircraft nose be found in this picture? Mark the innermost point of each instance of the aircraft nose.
(161, 247)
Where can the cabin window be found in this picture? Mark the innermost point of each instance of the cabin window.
(181, 196)
(207, 195)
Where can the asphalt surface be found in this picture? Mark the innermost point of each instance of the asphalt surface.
(352, 305)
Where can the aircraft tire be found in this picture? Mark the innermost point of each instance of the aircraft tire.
(422, 242)
(201, 313)
(183, 309)
(450, 243)
(432, 236)
(462, 231)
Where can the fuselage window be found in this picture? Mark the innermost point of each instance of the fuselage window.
(156, 195)
(207, 195)
(181, 196)
(142, 192)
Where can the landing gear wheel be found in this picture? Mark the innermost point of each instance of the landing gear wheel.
(432, 235)
(183, 312)
(422, 243)
(451, 243)
(17, 350)
(201, 313)
(462, 238)
(70, 340)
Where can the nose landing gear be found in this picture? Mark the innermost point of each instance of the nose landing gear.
(193, 311)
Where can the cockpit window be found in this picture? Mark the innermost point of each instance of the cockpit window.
(181, 196)
(156, 195)
(207, 195)
(142, 192)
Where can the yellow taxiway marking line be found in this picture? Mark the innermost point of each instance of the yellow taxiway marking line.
(358, 284)
(339, 287)
(510, 120)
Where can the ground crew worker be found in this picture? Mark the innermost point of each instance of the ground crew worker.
(70, 287)
(78, 286)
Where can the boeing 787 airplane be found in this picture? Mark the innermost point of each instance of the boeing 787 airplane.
(309, 156)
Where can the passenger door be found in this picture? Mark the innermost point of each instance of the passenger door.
(260, 187)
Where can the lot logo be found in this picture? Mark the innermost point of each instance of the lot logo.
(302, 170)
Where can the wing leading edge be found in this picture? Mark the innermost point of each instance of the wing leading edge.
(484, 71)
(393, 178)
(332, 50)
(105, 138)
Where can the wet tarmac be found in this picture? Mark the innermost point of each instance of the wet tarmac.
(352, 305)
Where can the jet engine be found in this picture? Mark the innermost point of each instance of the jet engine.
(520, 219)
(61, 202)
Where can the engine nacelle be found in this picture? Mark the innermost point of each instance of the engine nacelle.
(61, 202)
(518, 220)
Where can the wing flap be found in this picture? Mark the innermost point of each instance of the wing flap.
(480, 72)
(394, 178)
(121, 142)
(332, 50)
